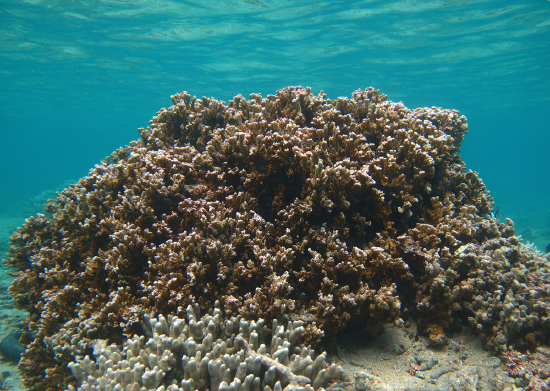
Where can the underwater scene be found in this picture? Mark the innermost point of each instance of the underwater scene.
(269, 195)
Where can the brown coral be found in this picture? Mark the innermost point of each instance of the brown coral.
(338, 213)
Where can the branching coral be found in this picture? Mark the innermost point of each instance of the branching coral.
(206, 354)
(338, 213)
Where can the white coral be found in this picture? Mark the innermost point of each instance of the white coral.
(206, 354)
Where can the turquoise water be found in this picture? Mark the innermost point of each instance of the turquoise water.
(77, 78)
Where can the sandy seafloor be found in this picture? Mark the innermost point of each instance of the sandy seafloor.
(384, 360)
(9, 316)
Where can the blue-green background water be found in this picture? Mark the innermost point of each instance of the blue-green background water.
(77, 78)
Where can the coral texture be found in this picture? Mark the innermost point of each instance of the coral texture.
(206, 353)
(533, 369)
(346, 213)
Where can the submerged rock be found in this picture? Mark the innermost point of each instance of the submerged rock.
(11, 348)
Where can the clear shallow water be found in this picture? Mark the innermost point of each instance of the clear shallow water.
(77, 78)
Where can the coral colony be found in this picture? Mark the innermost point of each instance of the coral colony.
(311, 215)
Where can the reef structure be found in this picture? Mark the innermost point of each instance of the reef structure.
(341, 214)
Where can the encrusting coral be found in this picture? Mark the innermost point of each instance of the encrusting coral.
(532, 369)
(346, 213)
(206, 353)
